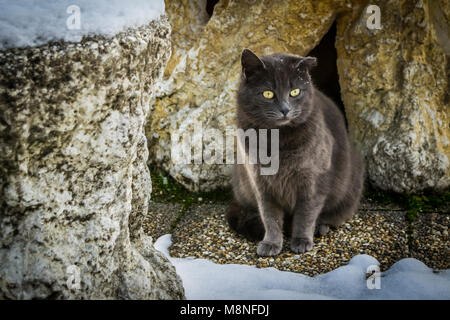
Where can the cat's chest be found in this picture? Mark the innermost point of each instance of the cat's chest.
(292, 172)
(292, 180)
(299, 170)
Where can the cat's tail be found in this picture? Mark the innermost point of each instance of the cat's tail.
(245, 221)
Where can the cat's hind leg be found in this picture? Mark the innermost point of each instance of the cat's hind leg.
(348, 205)
(337, 215)
(245, 221)
(323, 229)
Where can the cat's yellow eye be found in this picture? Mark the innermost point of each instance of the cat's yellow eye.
(295, 92)
(268, 94)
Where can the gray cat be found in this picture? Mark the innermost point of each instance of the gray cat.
(320, 176)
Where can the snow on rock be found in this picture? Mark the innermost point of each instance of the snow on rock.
(406, 279)
(35, 22)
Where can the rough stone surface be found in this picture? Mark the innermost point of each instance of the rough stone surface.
(394, 81)
(395, 87)
(73, 174)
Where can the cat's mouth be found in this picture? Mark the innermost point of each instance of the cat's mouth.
(281, 120)
(284, 121)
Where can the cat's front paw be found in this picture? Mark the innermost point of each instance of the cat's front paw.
(268, 248)
(301, 245)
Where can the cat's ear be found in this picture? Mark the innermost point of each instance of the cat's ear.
(307, 62)
(310, 62)
(250, 63)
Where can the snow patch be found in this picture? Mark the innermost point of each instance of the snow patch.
(406, 279)
(374, 117)
(35, 22)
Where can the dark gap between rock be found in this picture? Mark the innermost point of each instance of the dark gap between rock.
(210, 6)
(325, 75)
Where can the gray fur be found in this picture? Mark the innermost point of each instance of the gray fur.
(321, 174)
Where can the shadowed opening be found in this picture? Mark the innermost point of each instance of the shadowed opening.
(210, 6)
(325, 75)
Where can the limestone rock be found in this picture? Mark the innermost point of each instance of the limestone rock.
(202, 75)
(73, 174)
(395, 87)
(394, 81)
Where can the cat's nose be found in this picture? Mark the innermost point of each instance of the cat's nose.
(284, 108)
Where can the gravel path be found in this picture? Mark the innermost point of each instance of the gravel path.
(200, 231)
(430, 240)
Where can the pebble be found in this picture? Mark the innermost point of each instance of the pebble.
(204, 233)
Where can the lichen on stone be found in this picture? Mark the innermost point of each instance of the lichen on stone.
(74, 180)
